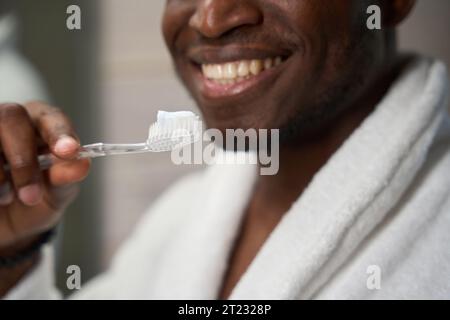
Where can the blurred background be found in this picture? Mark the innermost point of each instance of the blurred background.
(111, 77)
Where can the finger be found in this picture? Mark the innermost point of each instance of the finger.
(55, 129)
(6, 191)
(17, 138)
(62, 196)
(68, 172)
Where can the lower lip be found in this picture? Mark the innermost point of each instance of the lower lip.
(212, 89)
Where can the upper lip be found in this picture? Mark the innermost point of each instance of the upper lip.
(229, 53)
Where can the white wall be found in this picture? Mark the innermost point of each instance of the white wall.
(427, 30)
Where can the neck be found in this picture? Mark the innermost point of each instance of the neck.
(299, 162)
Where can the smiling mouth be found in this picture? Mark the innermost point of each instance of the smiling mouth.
(235, 78)
(235, 72)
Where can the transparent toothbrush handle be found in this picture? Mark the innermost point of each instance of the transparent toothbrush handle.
(47, 160)
(100, 150)
(95, 150)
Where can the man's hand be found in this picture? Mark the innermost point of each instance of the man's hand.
(31, 200)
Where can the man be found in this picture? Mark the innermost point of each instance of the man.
(360, 207)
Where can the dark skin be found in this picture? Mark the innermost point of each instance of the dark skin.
(32, 201)
(333, 73)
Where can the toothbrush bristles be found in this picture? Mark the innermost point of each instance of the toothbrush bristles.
(170, 133)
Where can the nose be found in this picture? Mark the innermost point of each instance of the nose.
(213, 18)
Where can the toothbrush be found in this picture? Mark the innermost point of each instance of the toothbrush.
(171, 130)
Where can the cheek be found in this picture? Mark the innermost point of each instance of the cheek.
(325, 27)
(168, 28)
(321, 23)
(328, 28)
(175, 18)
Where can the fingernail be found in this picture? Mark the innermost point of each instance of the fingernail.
(6, 195)
(31, 194)
(65, 145)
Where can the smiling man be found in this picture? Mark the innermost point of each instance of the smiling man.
(360, 207)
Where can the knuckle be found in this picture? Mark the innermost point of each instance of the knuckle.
(35, 104)
(39, 107)
(50, 111)
(54, 120)
(18, 162)
(11, 110)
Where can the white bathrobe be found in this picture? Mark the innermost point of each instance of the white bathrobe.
(374, 223)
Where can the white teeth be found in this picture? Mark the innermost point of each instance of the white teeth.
(256, 66)
(232, 72)
(243, 69)
(217, 71)
(268, 63)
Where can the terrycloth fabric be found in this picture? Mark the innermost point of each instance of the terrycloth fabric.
(382, 201)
